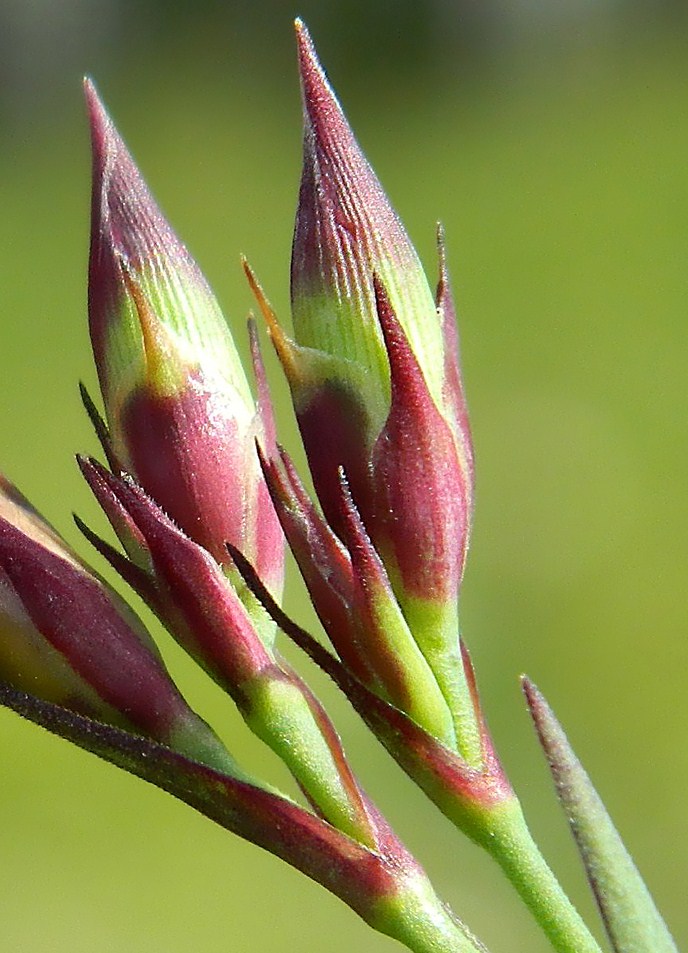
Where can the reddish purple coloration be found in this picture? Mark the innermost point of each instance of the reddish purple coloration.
(362, 878)
(322, 559)
(345, 225)
(164, 435)
(264, 402)
(453, 382)
(372, 825)
(103, 485)
(78, 617)
(190, 455)
(268, 541)
(332, 417)
(496, 784)
(335, 429)
(191, 446)
(409, 464)
(126, 227)
(421, 505)
(371, 587)
(192, 595)
(443, 774)
(203, 612)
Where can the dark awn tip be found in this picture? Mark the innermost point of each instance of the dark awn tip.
(100, 427)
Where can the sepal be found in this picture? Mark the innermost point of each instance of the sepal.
(187, 587)
(420, 516)
(339, 410)
(207, 618)
(322, 559)
(382, 631)
(453, 389)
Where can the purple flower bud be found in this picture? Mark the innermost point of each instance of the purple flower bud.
(68, 638)
(180, 412)
(360, 294)
(374, 375)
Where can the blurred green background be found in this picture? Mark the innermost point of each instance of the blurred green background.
(551, 140)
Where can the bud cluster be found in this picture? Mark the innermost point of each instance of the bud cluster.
(193, 473)
(203, 501)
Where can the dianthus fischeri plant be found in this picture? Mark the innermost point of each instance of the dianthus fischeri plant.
(204, 500)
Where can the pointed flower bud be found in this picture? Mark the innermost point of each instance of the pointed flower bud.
(346, 232)
(350, 251)
(374, 375)
(67, 638)
(180, 412)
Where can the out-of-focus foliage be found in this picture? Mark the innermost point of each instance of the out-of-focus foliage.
(554, 151)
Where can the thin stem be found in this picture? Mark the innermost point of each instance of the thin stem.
(416, 917)
(512, 846)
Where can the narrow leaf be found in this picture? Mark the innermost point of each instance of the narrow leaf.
(394, 898)
(632, 921)
(266, 818)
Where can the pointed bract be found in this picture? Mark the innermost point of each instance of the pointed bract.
(205, 615)
(420, 518)
(321, 557)
(337, 409)
(390, 648)
(191, 595)
(466, 794)
(454, 394)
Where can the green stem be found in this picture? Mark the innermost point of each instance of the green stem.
(416, 917)
(435, 627)
(512, 846)
(281, 712)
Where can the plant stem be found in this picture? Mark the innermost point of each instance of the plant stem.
(416, 917)
(512, 846)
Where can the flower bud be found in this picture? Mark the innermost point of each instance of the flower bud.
(184, 585)
(345, 231)
(180, 412)
(374, 375)
(353, 267)
(67, 638)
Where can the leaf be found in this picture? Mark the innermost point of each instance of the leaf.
(631, 919)
(396, 899)
(265, 818)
